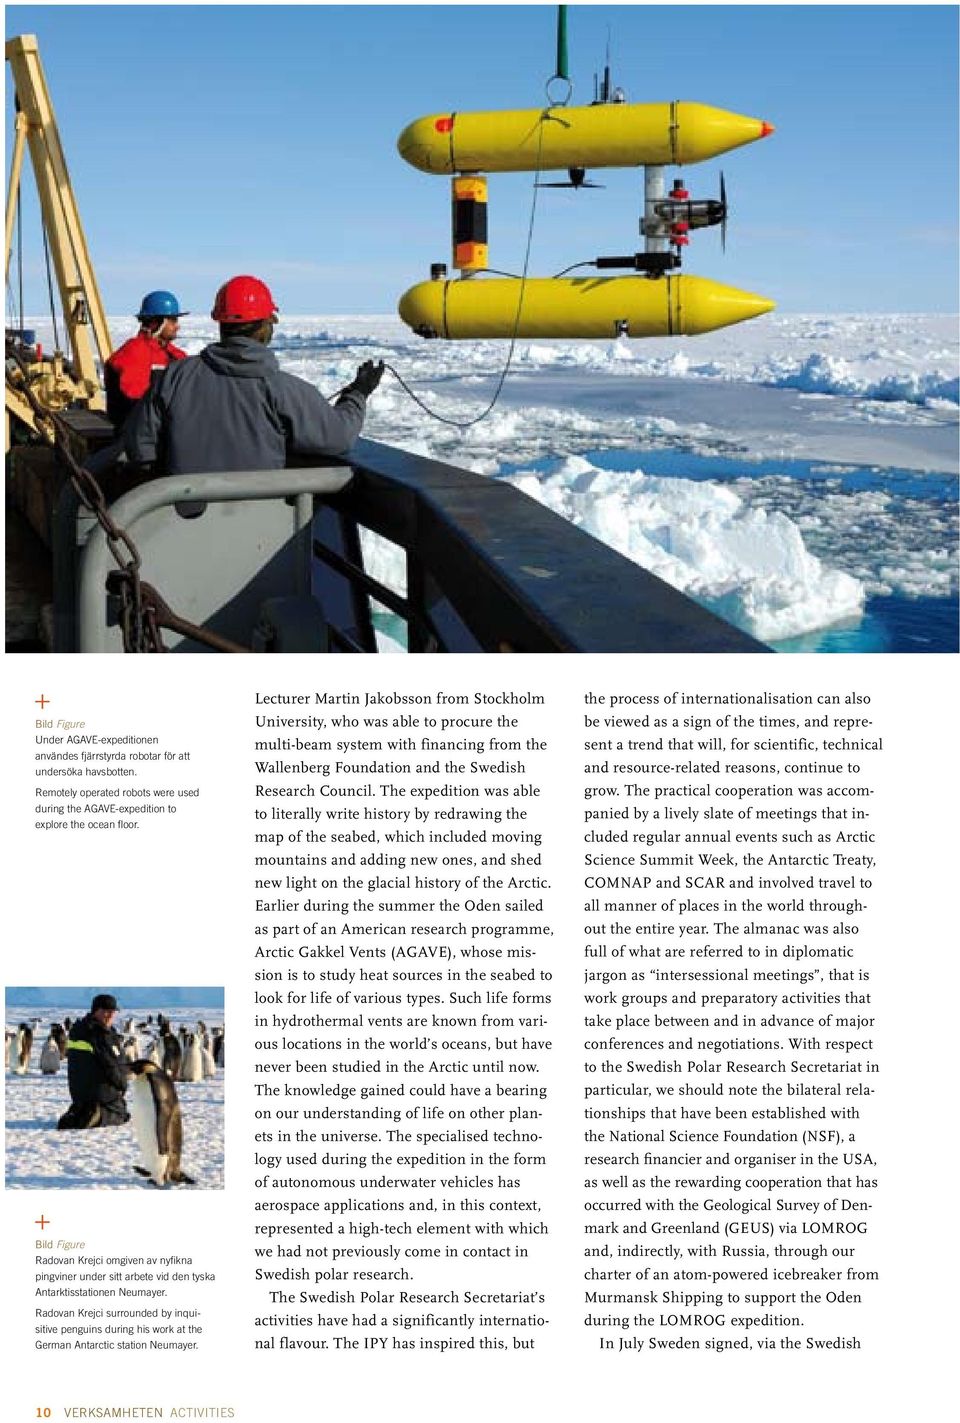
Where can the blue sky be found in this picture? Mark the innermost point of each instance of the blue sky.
(207, 140)
(139, 997)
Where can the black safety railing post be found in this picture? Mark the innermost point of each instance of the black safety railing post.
(417, 637)
(363, 614)
(345, 601)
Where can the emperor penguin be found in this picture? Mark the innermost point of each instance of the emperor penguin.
(157, 1124)
(24, 1048)
(191, 1067)
(154, 1052)
(209, 1066)
(59, 1037)
(50, 1056)
(172, 1053)
(218, 1047)
(10, 1038)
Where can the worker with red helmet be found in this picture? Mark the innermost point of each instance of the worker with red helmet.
(127, 373)
(233, 408)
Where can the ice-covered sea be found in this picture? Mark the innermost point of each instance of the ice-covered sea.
(38, 1156)
(795, 473)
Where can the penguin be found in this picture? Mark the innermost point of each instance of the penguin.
(157, 1124)
(59, 1037)
(191, 1068)
(50, 1056)
(155, 1052)
(218, 1047)
(131, 1048)
(10, 1039)
(24, 1048)
(172, 1054)
(209, 1066)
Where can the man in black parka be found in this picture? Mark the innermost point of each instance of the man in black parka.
(96, 1070)
(232, 408)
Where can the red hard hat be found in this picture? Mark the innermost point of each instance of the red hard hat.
(243, 299)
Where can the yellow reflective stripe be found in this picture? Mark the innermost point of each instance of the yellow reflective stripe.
(79, 1046)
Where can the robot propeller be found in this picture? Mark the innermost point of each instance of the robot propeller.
(577, 179)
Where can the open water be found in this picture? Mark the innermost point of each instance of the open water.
(894, 529)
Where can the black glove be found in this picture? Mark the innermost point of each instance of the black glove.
(367, 378)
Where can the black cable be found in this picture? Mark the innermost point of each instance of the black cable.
(444, 419)
(572, 268)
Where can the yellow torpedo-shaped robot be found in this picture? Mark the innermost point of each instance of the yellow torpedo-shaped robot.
(656, 300)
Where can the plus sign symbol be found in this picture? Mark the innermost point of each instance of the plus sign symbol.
(42, 701)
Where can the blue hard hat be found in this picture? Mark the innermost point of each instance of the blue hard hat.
(160, 304)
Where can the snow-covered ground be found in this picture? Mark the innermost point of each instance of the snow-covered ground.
(784, 540)
(39, 1156)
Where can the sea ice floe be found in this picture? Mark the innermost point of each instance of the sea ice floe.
(746, 564)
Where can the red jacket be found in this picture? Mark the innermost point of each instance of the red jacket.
(127, 373)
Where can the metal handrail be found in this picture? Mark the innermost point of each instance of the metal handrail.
(514, 574)
(488, 568)
(96, 561)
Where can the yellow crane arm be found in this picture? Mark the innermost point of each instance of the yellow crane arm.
(80, 298)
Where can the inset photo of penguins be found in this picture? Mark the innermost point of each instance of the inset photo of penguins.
(114, 1089)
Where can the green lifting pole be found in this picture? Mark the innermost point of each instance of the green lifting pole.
(563, 64)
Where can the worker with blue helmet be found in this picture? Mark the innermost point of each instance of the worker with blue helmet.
(160, 303)
(127, 373)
